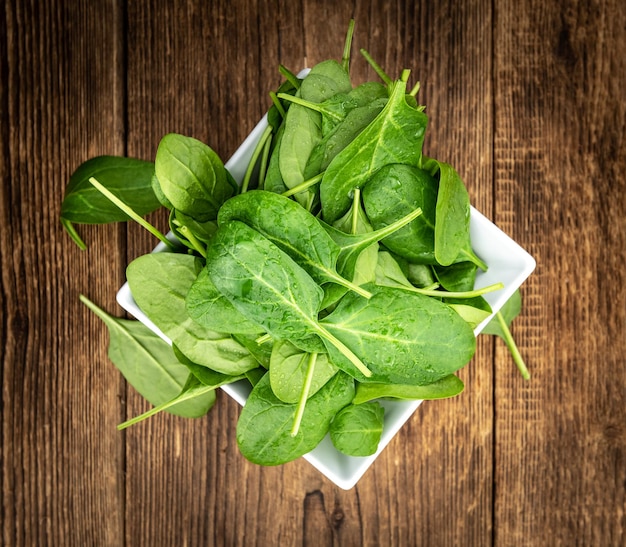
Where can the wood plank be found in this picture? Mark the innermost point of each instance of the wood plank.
(560, 159)
(61, 102)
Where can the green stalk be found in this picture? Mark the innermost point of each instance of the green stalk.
(139, 220)
(264, 162)
(461, 294)
(510, 342)
(255, 156)
(303, 185)
(277, 104)
(304, 395)
(345, 61)
(345, 350)
(312, 106)
(356, 202)
(377, 68)
(197, 245)
(289, 76)
(164, 406)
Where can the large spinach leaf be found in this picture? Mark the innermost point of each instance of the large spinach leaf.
(402, 337)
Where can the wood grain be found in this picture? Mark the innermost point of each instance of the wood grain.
(526, 99)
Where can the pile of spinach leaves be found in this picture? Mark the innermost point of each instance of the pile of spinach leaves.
(339, 273)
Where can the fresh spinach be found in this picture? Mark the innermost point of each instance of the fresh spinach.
(402, 337)
(395, 136)
(265, 424)
(448, 386)
(128, 178)
(191, 176)
(288, 371)
(356, 429)
(159, 283)
(148, 364)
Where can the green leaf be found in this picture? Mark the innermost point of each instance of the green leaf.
(393, 192)
(128, 178)
(292, 228)
(148, 363)
(402, 337)
(265, 424)
(452, 224)
(211, 309)
(448, 386)
(288, 370)
(356, 430)
(159, 283)
(395, 136)
(192, 177)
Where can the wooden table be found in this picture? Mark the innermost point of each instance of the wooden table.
(526, 99)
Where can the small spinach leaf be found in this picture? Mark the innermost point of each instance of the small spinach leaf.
(448, 386)
(128, 178)
(288, 371)
(192, 177)
(356, 430)
(265, 424)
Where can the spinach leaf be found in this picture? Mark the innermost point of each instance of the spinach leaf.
(128, 178)
(211, 309)
(402, 337)
(452, 234)
(460, 276)
(192, 177)
(292, 228)
(448, 386)
(148, 364)
(288, 370)
(394, 191)
(264, 426)
(159, 283)
(267, 286)
(303, 126)
(357, 429)
(341, 136)
(395, 136)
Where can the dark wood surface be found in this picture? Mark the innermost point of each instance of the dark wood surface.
(526, 98)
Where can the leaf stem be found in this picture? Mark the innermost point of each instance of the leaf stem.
(345, 350)
(312, 106)
(304, 395)
(510, 342)
(69, 227)
(289, 76)
(197, 245)
(345, 61)
(264, 162)
(139, 220)
(377, 68)
(460, 294)
(277, 103)
(184, 396)
(356, 202)
(303, 185)
(255, 156)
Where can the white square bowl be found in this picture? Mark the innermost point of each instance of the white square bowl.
(508, 263)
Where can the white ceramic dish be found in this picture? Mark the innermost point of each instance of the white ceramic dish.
(508, 263)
